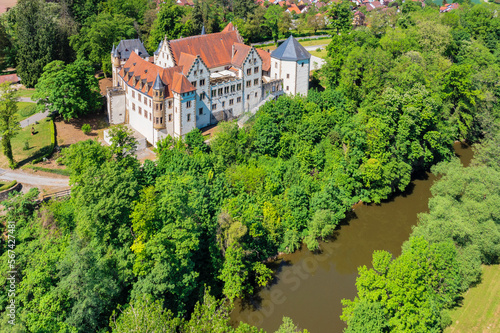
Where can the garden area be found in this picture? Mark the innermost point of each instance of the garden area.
(27, 147)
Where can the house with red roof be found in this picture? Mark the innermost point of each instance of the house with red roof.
(448, 7)
(9, 78)
(196, 81)
(293, 9)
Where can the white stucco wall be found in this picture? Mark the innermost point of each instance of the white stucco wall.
(116, 108)
(188, 112)
(302, 81)
(138, 121)
(164, 58)
(223, 102)
(250, 99)
(198, 72)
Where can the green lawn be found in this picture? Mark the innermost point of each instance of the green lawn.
(38, 144)
(321, 54)
(313, 42)
(26, 92)
(24, 110)
(480, 311)
(325, 41)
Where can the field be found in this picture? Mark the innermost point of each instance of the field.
(480, 311)
(313, 42)
(38, 143)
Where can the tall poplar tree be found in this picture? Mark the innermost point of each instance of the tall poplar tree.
(8, 120)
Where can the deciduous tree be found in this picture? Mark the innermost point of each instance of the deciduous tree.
(71, 90)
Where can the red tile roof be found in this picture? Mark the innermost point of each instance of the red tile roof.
(266, 60)
(229, 27)
(9, 78)
(373, 5)
(240, 52)
(144, 74)
(186, 61)
(214, 49)
(294, 9)
(181, 84)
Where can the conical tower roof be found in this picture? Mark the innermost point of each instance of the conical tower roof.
(291, 50)
(158, 85)
(203, 31)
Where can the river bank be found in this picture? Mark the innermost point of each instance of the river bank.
(309, 287)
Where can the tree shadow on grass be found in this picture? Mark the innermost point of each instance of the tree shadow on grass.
(39, 153)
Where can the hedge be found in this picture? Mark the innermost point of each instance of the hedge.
(63, 172)
(8, 185)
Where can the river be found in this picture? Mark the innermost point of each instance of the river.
(309, 287)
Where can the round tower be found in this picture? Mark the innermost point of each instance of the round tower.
(158, 103)
(115, 63)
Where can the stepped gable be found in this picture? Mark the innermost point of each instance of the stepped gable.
(291, 50)
(143, 75)
(266, 59)
(214, 49)
(127, 46)
(240, 52)
(186, 61)
(181, 84)
(159, 48)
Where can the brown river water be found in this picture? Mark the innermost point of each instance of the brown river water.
(309, 287)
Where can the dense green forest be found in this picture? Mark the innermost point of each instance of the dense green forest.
(170, 244)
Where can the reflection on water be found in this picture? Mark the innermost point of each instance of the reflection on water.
(309, 287)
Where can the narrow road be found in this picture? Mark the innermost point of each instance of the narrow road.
(26, 178)
(36, 117)
(26, 99)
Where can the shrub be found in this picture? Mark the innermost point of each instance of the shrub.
(86, 128)
(28, 110)
(26, 145)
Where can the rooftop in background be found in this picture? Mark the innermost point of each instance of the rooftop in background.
(127, 46)
(9, 78)
(7, 5)
(291, 50)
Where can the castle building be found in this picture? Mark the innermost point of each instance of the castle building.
(197, 81)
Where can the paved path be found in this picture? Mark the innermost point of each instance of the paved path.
(26, 178)
(316, 63)
(315, 47)
(26, 99)
(31, 120)
(36, 117)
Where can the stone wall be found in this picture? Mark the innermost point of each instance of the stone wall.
(4, 195)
